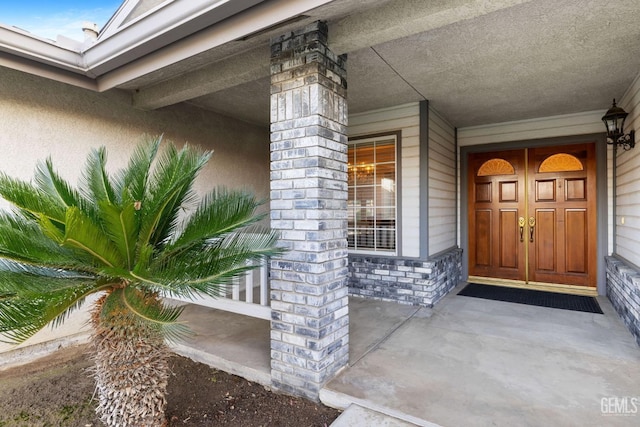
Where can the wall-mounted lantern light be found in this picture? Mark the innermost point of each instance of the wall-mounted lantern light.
(614, 121)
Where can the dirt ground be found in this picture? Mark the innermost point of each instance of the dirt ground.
(57, 391)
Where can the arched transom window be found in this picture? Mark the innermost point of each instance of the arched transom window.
(561, 162)
(496, 167)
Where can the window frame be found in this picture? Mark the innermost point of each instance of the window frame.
(369, 138)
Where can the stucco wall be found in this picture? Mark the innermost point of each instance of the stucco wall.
(39, 117)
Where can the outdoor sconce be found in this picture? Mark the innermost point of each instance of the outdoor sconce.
(614, 121)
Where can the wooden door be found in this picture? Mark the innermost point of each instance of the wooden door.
(496, 204)
(562, 203)
(532, 215)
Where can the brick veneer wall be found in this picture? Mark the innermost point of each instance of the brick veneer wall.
(623, 289)
(405, 280)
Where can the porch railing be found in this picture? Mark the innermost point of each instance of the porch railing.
(248, 295)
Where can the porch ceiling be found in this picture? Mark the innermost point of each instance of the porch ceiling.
(476, 64)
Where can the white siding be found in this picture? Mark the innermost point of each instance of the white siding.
(442, 184)
(628, 183)
(406, 119)
(543, 127)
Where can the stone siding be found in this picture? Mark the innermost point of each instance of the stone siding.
(403, 280)
(623, 290)
(309, 296)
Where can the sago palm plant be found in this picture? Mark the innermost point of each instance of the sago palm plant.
(131, 237)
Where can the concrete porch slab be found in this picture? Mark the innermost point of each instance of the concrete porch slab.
(371, 322)
(241, 345)
(227, 341)
(475, 362)
(357, 416)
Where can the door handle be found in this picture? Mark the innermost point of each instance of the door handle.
(532, 226)
(521, 223)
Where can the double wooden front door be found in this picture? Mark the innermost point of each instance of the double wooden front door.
(532, 215)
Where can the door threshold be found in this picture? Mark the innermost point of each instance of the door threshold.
(538, 286)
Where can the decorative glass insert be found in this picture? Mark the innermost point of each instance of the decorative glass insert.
(372, 194)
(561, 162)
(496, 167)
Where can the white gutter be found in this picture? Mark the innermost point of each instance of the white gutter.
(156, 29)
(21, 43)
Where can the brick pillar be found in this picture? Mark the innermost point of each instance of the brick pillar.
(310, 322)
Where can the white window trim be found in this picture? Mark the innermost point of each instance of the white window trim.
(371, 138)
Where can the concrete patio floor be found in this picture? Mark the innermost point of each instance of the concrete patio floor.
(468, 362)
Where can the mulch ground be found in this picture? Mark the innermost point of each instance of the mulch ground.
(57, 391)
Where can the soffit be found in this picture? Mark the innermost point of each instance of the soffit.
(535, 59)
(332, 12)
(477, 62)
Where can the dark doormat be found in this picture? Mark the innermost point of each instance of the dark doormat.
(532, 297)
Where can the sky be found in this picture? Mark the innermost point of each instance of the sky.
(49, 18)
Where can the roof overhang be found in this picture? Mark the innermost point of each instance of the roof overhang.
(477, 62)
(157, 38)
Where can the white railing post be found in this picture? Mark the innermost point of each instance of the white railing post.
(248, 287)
(264, 283)
(235, 289)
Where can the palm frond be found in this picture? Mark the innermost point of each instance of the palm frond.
(25, 282)
(145, 255)
(84, 235)
(29, 198)
(209, 268)
(131, 182)
(95, 184)
(47, 271)
(22, 240)
(221, 211)
(121, 225)
(21, 317)
(182, 288)
(51, 230)
(50, 182)
(170, 189)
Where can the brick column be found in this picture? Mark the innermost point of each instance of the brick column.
(310, 322)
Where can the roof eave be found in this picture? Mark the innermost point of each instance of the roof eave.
(14, 41)
(138, 47)
(156, 29)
